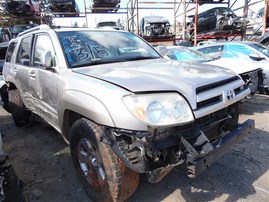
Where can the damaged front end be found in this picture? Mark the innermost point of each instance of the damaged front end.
(231, 23)
(199, 144)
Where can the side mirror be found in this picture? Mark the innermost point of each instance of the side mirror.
(47, 59)
(256, 56)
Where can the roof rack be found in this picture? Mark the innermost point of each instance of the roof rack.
(40, 27)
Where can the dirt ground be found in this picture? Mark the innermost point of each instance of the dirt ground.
(42, 160)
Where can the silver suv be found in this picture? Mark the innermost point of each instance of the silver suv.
(123, 108)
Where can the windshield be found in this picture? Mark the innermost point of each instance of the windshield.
(90, 47)
(184, 54)
(244, 50)
(225, 11)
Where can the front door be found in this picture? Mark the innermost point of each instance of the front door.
(44, 82)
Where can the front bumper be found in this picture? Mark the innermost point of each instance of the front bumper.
(196, 164)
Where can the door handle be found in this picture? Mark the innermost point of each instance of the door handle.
(32, 74)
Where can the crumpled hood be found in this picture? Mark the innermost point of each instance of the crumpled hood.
(157, 75)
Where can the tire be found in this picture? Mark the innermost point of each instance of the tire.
(19, 113)
(103, 175)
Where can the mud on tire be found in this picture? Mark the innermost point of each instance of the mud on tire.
(103, 175)
(19, 113)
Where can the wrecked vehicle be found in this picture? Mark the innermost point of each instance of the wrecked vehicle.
(64, 8)
(155, 27)
(104, 6)
(121, 106)
(218, 20)
(20, 7)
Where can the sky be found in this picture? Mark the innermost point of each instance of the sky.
(157, 9)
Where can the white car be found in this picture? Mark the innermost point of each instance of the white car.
(256, 54)
(249, 72)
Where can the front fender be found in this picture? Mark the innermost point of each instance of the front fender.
(85, 105)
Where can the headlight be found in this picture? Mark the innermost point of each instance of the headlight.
(159, 109)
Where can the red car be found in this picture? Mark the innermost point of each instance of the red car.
(22, 7)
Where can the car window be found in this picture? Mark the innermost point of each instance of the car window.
(43, 45)
(10, 51)
(23, 56)
(211, 49)
(237, 51)
(261, 48)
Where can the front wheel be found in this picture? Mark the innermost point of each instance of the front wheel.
(103, 175)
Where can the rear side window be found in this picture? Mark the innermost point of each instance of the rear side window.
(23, 56)
(10, 51)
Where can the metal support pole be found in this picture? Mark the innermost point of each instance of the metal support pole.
(85, 9)
(265, 15)
(195, 24)
(184, 21)
(245, 14)
(137, 18)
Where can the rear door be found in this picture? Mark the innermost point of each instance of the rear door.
(21, 67)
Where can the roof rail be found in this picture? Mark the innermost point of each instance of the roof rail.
(40, 27)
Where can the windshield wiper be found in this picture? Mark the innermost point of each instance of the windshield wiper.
(141, 58)
(92, 62)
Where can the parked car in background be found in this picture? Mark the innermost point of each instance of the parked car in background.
(64, 8)
(3, 50)
(121, 106)
(155, 27)
(16, 29)
(5, 35)
(103, 6)
(248, 72)
(218, 20)
(258, 22)
(256, 53)
(110, 24)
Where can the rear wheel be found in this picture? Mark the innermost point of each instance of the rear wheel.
(104, 176)
(19, 113)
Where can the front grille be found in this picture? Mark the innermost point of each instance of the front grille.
(216, 84)
(217, 98)
(209, 102)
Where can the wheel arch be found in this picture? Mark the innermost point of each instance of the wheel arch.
(74, 105)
